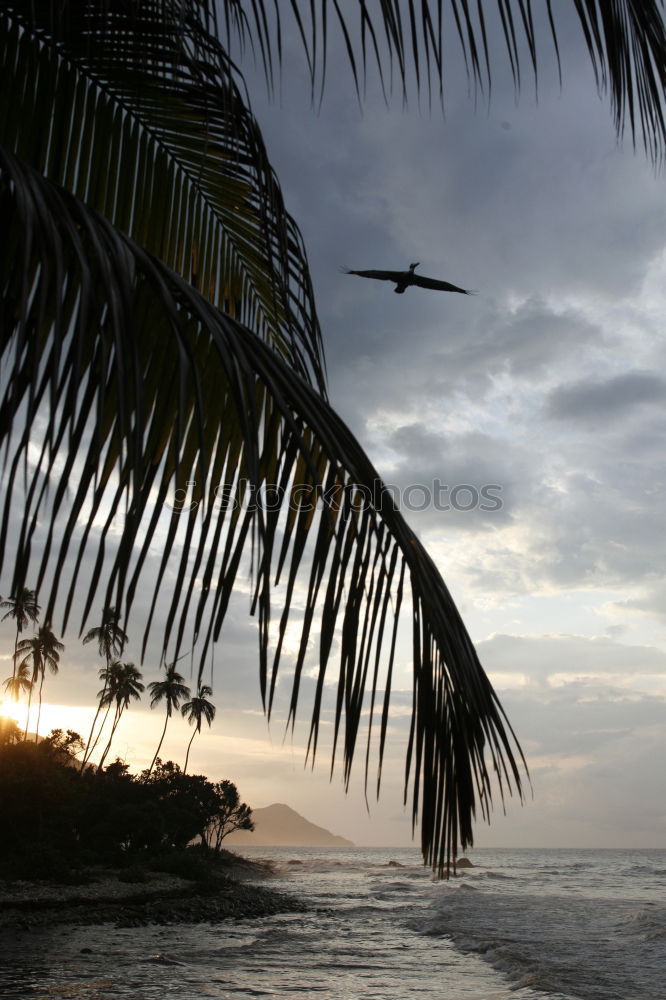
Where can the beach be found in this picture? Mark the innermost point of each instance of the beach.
(373, 924)
(108, 896)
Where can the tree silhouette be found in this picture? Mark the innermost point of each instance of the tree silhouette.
(196, 710)
(231, 814)
(19, 682)
(110, 639)
(124, 686)
(34, 658)
(43, 650)
(23, 607)
(159, 333)
(172, 690)
(9, 731)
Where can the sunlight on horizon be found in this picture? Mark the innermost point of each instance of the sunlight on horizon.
(63, 717)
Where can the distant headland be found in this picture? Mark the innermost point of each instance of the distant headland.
(279, 825)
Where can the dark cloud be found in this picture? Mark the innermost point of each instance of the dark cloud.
(589, 400)
(468, 481)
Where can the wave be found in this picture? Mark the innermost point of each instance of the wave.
(400, 886)
(316, 865)
(648, 922)
(579, 947)
(496, 876)
(643, 869)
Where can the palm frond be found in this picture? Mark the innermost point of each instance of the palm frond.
(409, 41)
(150, 128)
(75, 295)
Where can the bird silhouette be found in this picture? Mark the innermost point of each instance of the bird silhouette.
(403, 279)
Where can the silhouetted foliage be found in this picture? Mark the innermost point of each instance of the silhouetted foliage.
(55, 817)
(9, 731)
(110, 639)
(41, 801)
(196, 710)
(66, 745)
(153, 278)
(157, 293)
(231, 814)
(172, 690)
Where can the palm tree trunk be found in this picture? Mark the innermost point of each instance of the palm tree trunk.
(187, 755)
(18, 632)
(89, 749)
(39, 710)
(116, 720)
(159, 745)
(27, 718)
(100, 730)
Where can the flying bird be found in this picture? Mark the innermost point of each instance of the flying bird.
(403, 279)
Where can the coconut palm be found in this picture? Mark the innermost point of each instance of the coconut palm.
(110, 639)
(172, 690)
(105, 697)
(51, 650)
(124, 686)
(34, 659)
(23, 607)
(196, 710)
(43, 651)
(19, 682)
(158, 322)
(108, 635)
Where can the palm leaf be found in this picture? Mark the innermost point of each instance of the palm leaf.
(151, 129)
(408, 39)
(95, 333)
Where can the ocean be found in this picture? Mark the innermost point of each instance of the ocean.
(519, 925)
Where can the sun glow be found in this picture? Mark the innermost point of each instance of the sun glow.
(14, 710)
(76, 717)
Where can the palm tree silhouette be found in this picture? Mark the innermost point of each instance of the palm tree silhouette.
(105, 696)
(124, 686)
(43, 650)
(23, 607)
(172, 690)
(19, 682)
(33, 657)
(196, 710)
(110, 639)
(156, 282)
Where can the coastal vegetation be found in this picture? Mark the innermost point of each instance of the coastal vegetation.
(59, 821)
(64, 811)
(163, 372)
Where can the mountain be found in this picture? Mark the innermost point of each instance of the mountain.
(280, 826)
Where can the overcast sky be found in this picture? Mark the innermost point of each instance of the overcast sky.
(549, 386)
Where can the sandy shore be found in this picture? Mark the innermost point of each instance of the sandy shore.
(161, 899)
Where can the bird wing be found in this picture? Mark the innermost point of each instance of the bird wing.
(442, 286)
(380, 275)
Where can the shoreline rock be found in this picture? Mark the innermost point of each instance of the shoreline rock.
(161, 900)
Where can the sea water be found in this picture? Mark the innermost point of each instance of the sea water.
(519, 925)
